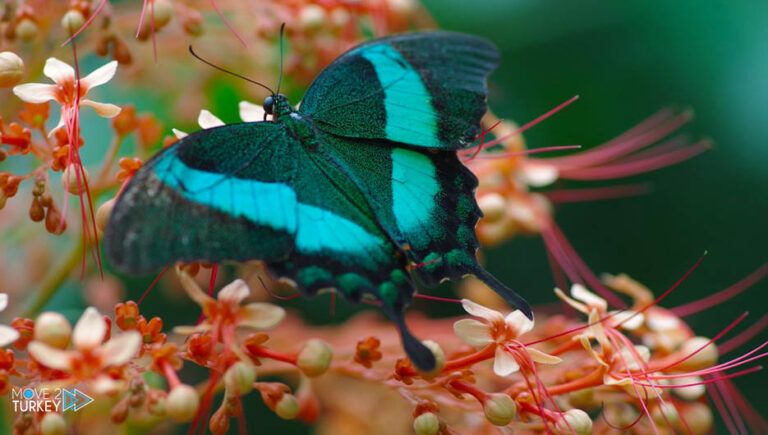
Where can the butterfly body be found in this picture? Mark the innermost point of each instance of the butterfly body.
(359, 190)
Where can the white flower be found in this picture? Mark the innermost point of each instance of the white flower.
(585, 301)
(7, 334)
(65, 88)
(249, 112)
(227, 309)
(501, 331)
(90, 353)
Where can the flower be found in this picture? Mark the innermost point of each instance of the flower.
(91, 356)
(65, 89)
(225, 311)
(499, 331)
(7, 334)
(585, 301)
(249, 112)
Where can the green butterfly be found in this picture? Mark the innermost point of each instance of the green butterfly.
(360, 190)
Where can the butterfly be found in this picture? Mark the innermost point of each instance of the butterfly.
(359, 190)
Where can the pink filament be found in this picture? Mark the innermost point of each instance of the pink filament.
(722, 296)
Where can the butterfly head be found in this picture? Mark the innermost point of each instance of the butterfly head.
(277, 105)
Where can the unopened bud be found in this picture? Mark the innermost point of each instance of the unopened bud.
(121, 52)
(11, 70)
(53, 222)
(402, 7)
(702, 359)
(493, 206)
(163, 13)
(53, 424)
(574, 421)
(315, 357)
(52, 329)
(193, 23)
(239, 378)
(287, 407)
(73, 180)
(697, 416)
(693, 387)
(219, 424)
(36, 210)
(72, 21)
(26, 29)
(499, 409)
(426, 424)
(665, 414)
(103, 213)
(182, 403)
(312, 17)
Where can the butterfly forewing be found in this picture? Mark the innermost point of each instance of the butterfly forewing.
(424, 89)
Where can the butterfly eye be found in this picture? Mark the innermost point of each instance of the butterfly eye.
(268, 104)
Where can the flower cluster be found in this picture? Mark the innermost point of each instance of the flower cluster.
(639, 369)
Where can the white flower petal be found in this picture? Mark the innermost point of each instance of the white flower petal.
(35, 92)
(58, 71)
(99, 76)
(578, 306)
(541, 357)
(179, 134)
(250, 112)
(629, 320)
(504, 363)
(90, 330)
(104, 110)
(588, 346)
(519, 322)
(608, 379)
(3, 301)
(8, 335)
(207, 119)
(260, 315)
(234, 292)
(478, 310)
(661, 321)
(59, 125)
(106, 386)
(189, 330)
(473, 332)
(49, 356)
(581, 293)
(120, 349)
(193, 290)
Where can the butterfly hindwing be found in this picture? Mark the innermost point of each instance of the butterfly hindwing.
(423, 89)
(425, 200)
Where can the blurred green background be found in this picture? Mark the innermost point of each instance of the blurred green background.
(626, 60)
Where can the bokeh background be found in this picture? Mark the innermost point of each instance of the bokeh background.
(626, 60)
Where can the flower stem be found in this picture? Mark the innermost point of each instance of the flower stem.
(264, 352)
(55, 277)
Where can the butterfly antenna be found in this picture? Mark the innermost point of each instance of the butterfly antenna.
(229, 72)
(280, 77)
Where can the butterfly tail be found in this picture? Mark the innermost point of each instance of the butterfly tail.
(420, 355)
(505, 292)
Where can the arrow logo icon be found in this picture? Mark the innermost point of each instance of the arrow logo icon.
(74, 399)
